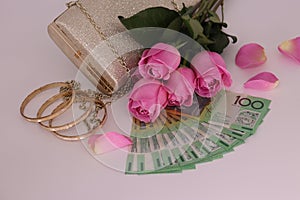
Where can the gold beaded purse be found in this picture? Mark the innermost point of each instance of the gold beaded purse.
(87, 23)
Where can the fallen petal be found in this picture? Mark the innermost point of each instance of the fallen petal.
(104, 143)
(250, 55)
(262, 81)
(291, 48)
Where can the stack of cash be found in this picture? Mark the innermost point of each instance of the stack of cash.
(181, 138)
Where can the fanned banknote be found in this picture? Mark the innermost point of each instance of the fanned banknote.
(182, 138)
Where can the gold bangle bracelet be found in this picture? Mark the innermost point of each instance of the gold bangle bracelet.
(98, 103)
(62, 105)
(53, 115)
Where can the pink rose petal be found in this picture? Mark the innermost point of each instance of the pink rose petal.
(104, 143)
(250, 55)
(262, 81)
(291, 48)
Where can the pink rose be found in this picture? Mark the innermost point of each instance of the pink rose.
(159, 61)
(181, 87)
(211, 73)
(147, 99)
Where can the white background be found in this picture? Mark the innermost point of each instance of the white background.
(36, 165)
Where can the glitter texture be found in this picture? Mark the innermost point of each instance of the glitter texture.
(85, 39)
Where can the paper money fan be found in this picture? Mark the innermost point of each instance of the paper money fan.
(180, 139)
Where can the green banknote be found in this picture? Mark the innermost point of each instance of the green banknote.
(151, 154)
(182, 138)
(178, 150)
(207, 144)
(236, 111)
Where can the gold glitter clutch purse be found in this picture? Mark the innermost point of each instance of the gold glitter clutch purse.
(85, 24)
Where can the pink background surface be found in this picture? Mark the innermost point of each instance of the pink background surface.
(36, 165)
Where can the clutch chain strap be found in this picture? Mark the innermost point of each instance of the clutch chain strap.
(101, 34)
(128, 86)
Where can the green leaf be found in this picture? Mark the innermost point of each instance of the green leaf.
(204, 41)
(221, 41)
(186, 10)
(151, 17)
(194, 27)
(183, 10)
(224, 25)
(176, 24)
(214, 17)
(234, 38)
(214, 33)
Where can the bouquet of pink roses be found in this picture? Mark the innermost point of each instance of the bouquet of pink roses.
(171, 78)
(165, 82)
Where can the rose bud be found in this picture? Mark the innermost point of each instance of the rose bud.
(181, 87)
(159, 61)
(211, 73)
(147, 99)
